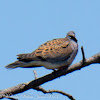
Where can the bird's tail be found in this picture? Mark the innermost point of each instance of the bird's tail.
(16, 64)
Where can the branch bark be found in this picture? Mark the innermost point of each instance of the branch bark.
(39, 88)
(37, 82)
(55, 91)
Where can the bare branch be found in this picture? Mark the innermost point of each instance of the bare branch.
(83, 54)
(39, 88)
(8, 97)
(37, 82)
(35, 74)
(55, 91)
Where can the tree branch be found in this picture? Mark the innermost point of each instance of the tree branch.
(8, 97)
(83, 54)
(55, 91)
(37, 82)
(39, 88)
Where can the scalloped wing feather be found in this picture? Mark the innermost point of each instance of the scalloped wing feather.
(51, 51)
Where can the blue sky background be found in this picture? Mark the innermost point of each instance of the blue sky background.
(26, 24)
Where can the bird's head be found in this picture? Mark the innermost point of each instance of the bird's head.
(71, 35)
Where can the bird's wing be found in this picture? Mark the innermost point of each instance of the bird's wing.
(51, 51)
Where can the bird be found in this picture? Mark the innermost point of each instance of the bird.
(54, 54)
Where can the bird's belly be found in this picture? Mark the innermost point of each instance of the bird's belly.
(47, 65)
(58, 65)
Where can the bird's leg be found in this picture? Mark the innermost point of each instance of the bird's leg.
(54, 70)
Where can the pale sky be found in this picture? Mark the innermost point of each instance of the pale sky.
(26, 24)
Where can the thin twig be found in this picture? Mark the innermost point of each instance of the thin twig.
(39, 88)
(83, 55)
(35, 74)
(56, 91)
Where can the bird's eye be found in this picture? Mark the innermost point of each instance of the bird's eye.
(73, 38)
(70, 37)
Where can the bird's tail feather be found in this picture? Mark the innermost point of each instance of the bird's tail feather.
(16, 64)
(23, 64)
